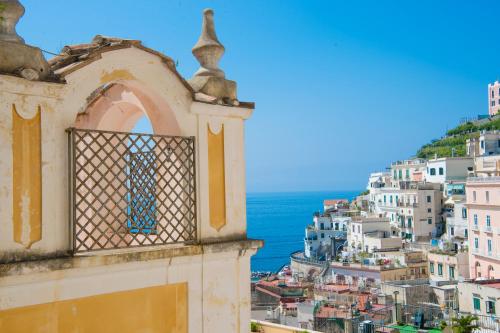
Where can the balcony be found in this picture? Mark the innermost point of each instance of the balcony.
(475, 227)
(407, 204)
(129, 190)
(493, 179)
(488, 229)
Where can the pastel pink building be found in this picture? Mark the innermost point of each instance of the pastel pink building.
(483, 204)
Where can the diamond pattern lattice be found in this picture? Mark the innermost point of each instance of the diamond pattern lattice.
(130, 189)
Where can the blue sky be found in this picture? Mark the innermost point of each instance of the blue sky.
(342, 88)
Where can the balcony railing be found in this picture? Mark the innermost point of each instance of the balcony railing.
(407, 204)
(129, 190)
(492, 179)
(488, 229)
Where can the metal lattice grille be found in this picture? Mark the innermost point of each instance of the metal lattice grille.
(131, 189)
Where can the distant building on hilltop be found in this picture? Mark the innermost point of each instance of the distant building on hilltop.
(488, 143)
(493, 98)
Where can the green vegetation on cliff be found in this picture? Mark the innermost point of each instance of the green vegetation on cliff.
(455, 139)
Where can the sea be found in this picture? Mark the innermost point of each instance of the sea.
(280, 219)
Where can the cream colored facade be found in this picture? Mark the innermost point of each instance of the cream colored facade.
(448, 267)
(414, 209)
(200, 286)
(481, 298)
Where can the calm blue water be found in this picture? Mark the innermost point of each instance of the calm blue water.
(279, 219)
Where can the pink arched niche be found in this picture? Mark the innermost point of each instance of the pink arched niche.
(105, 168)
(118, 106)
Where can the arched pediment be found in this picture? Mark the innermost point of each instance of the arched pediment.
(132, 71)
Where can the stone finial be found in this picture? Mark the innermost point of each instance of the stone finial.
(210, 79)
(10, 13)
(208, 50)
(15, 56)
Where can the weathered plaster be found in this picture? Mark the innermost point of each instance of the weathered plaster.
(27, 183)
(216, 178)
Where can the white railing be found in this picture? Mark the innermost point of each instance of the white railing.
(493, 179)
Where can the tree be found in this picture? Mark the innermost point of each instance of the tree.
(465, 324)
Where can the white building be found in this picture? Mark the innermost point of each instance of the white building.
(457, 231)
(376, 182)
(488, 143)
(413, 210)
(447, 169)
(408, 170)
(319, 234)
(371, 233)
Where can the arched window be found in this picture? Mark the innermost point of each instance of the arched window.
(491, 272)
(478, 269)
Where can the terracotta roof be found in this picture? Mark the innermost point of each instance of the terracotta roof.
(334, 202)
(74, 57)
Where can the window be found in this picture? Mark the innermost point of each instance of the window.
(409, 222)
(407, 173)
(431, 267)
(390, 198)
(489, 246)
(475, 220)
(476, 243)
(353, 229)
(452, 272)
(492, 103)
(466, 233)
(433, 172)
(464, 213)
(400, 174)
(487, 196)
(440, 269)
(452, 231)
(385, 199)
(429, 221)
(490, 307)
(441, 171)
(488, 221)
(477, 303)
(429, 199)
(359, 229)
(322, 226)
(395, 175)
(322, 235)
(474, 195)
(482, 144)
(429, 210)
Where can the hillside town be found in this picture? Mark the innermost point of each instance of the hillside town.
(417, 251)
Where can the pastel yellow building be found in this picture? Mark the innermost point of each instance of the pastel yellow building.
(104, 230)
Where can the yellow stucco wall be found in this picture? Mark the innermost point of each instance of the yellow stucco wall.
(216, 179)
(160, 309)
(27, 178)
